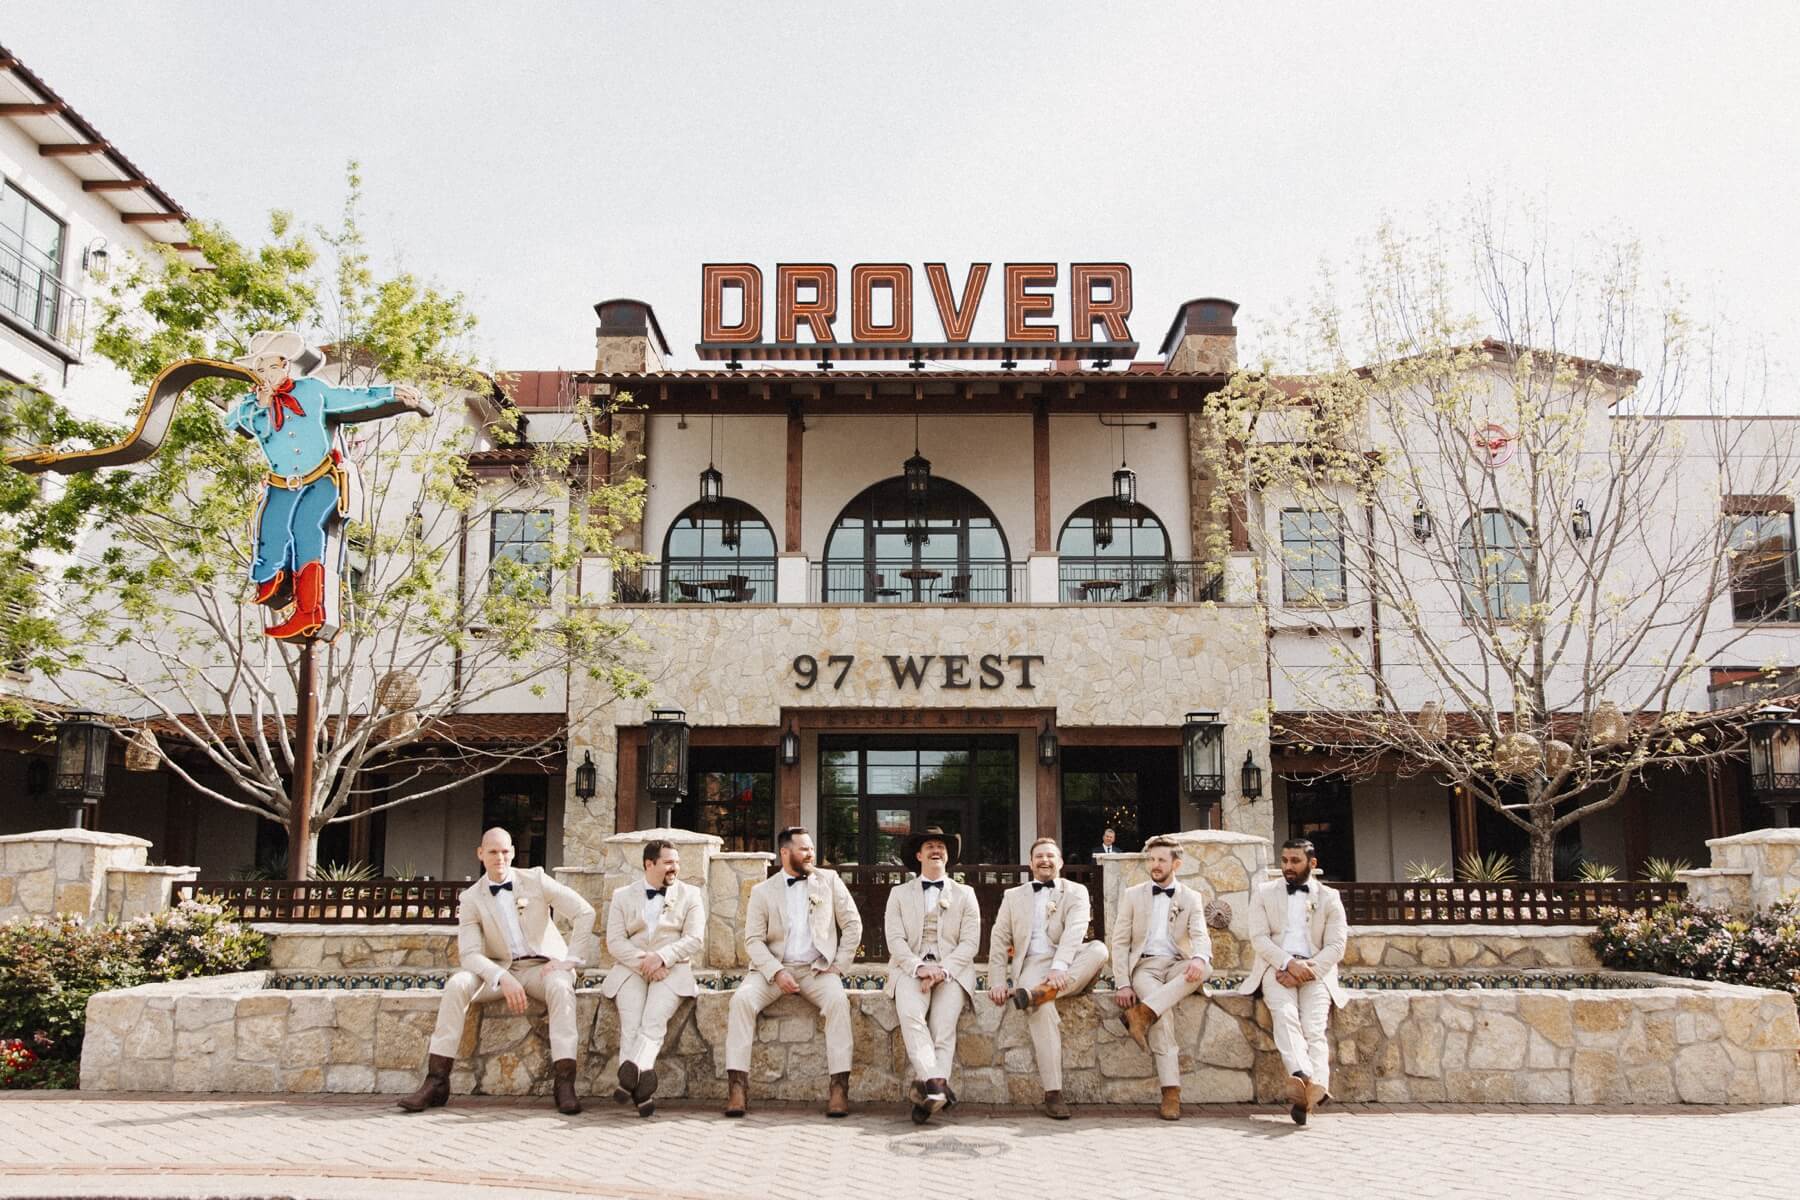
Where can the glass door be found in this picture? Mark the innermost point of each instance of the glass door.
(875, 791)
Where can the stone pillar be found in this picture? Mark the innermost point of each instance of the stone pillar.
(1217, 862)
(629, 342)
(1750, 871)
(622, 864)
(133, 892)
(727, 896)
(1203, 340)
(63, 871)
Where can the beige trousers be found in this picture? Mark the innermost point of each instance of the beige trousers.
(823, 990)
(928, 1025)
(1043, 1021)
(644, 1012)
(1161, 983)
(1299, 1017)
(555, 988)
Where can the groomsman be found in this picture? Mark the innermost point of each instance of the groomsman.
(1161, 953)
(933, 933)
(1298, 931)
(511, 950)
(801, 930)
(1044, 921)
(653, 932)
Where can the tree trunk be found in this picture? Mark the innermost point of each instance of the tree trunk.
(1543, 845)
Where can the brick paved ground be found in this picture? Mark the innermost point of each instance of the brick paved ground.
(64, 1145)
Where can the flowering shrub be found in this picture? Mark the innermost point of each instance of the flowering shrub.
(50, 966)
(1698, 942)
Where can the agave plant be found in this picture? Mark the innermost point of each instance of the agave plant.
(353, 872)
(1426, 872)
(1487, 868)
(1665, 870)
(1594, 872)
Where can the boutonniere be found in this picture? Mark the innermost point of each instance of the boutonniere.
(520, 902)
(1050, 906)
(1174, 912)
(812, 900)
(943, 898)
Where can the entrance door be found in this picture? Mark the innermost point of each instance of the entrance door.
(1129, 789)
(875, 790)
(1321, 812)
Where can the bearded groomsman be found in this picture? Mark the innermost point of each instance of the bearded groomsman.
(1298, 930)
(653, 932)
(1161, 953)
(1044, 921)
(510, 949)
(933, 933)
(801, 930)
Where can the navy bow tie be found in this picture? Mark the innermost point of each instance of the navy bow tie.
(494, 889)
(936, 883)
(651, 893)
(1038, 887)
(793, 879)
(1299, 887)
(1160, 891)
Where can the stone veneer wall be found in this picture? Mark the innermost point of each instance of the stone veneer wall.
(96, 876)
(1749, 870)
(1127, 664)
(1222, 865)
(1678, 1040)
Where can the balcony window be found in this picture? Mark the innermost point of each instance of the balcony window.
(1495, 559)
(721, 550)
(1312, 558)
(1763, 575)
(520, 537)
(955, 553)
(32, 247)
(1113, 551)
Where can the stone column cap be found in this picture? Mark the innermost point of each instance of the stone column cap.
(1223, 837)
(147, 870)
(85, 837)
(1755, 837)
(679, 837)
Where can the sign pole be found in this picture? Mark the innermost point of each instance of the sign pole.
(306, 718)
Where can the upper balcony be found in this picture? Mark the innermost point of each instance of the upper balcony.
(36, 303)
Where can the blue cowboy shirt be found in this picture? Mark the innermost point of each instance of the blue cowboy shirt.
(304, 439)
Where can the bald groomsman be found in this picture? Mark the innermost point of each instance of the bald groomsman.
(933, 934)
(801, 930)
(1161, 953)
(510, 949)
(1044, 921)
(654, 932)
(1298, 931)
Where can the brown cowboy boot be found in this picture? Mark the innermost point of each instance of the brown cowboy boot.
(563, 1076)
(644, 1094)
(937, 1093)
(737, 1102)
(839, 1103)
(1054, 1108)
(435, 1091)
(1138, 1020)
(628, 1079)
(1170, 1109)
(1043, 993)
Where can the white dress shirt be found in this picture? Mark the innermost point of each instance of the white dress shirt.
(508, 904)
(1157, 942)
(798, 947)
(1296, 933)
(653, 907)
(1039, 942)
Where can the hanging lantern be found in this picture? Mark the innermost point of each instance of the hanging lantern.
(918, 480)
(1421, 523)
(1433, 725)
(731, 531)
(790, 748)
(712, 485)
(1558, 755)
(1125, 487)
(1103, 530)
(1609, 727)
(142, 753)
(1517, 754)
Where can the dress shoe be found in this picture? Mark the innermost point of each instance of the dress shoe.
(435, 1091)
(643, 1094)
(628, 1076)
(1138, 1020)
(1170, 1109)
(1298, 1112)
(737, 1100)
(838, 1105)
(920, 1114)
(1054, 1108)
(1316, 1096)
(562, 1073)
(937, 1094)
(1025, 1000)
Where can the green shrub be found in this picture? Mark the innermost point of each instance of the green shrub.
(1697, 942)
(50, 966)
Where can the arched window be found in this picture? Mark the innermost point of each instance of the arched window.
(1113, 552)
(882, 551)
(1494, 561)
(722, 551)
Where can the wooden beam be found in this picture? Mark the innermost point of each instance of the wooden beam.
(1040, 479)
(787, 795)
(796, 449)
(625, 790)
(30, 110)
(114, 185)
(152, 218)
(1049, 800)
(1120, 735)
(72, 149)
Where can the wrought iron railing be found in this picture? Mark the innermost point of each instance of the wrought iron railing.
(34, 295)
(1464, 903)
(748, 581)
(321, 902)
(1144, 581)
(901, 581)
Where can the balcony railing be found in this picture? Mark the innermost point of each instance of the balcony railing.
(901, 581)
(748, 581)
(1464, 903)
(1143, 581)
(36, 298)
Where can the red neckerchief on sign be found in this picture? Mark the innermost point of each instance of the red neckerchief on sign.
(283, 399)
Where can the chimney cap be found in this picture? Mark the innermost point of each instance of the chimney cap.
(1208, 314)
(622, 316)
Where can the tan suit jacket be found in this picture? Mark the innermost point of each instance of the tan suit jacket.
(481, 938)
(836, 926)
(958, 931)
(677, 938)
(1327, 928)
(1065, 926)
(1131, 926)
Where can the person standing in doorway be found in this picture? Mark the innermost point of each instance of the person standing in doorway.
(1107, 842)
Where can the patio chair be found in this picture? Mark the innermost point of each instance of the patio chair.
(881, 587)
(958, 589)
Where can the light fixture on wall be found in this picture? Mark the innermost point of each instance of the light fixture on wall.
(95, 258)
(1773, 734)
(587, 778)
(1421, 523)
(1250, 778)
(1048, 746)
(790, 748)
(1582, 523)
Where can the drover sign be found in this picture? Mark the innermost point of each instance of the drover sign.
(879, 300)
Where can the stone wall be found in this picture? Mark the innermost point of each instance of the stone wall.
(621, 862)
(1222, 865)
(334, 949)
(73, 871)
(1674, 1041)
(1399, 947)
(1749, 870)
(133, 892)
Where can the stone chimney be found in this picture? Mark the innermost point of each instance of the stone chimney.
(1202, 340)
(628, 342)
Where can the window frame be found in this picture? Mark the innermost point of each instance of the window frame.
(1291, 594)
(1738, 510)
(1522, 548)
(16, 243)
(495, 581)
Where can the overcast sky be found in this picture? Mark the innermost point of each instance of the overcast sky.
(543, 157)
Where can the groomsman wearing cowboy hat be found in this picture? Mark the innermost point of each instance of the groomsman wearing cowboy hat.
(801, 931)
(1298, 930)
(1161, 953)
(933, 928)
(653, 932)
(510, 949)
(1042, 924)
